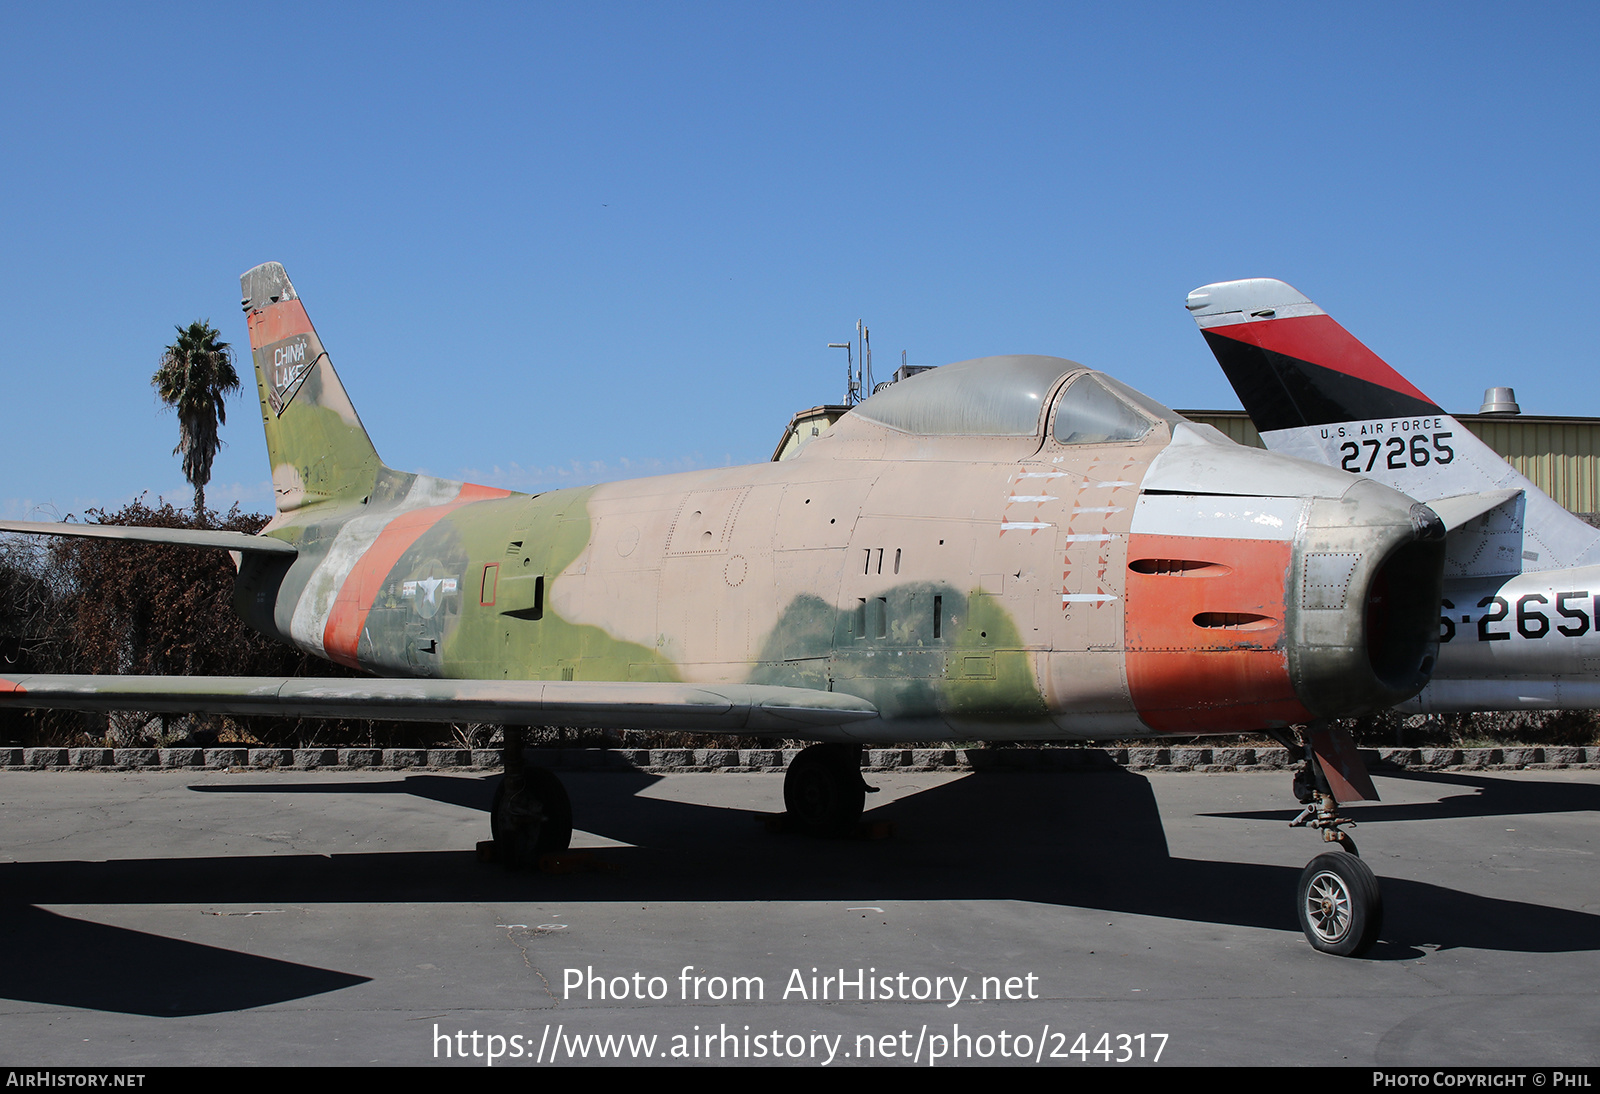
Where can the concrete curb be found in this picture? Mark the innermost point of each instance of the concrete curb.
(1194, 759)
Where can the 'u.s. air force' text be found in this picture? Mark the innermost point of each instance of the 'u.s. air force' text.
(1404, 444)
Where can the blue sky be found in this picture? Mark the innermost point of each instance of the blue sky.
(548, 245)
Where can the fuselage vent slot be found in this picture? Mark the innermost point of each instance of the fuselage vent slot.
(1233, 621)
(1179, 567)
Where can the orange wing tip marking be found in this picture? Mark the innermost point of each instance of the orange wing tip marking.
(11, 687)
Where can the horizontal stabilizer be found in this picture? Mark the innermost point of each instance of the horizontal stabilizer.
(1457, 510)
(710, 708)
(172, 537)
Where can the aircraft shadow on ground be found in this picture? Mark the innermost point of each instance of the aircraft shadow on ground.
(75, 963)
(1484, 796)
(1085, 840)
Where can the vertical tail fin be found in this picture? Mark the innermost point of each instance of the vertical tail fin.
(1314, 391)
(318, 447)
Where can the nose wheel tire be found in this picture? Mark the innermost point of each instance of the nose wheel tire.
(823, 790)
(532, 820)
(1341, 910)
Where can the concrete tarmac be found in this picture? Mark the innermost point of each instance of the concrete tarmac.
(342, 918)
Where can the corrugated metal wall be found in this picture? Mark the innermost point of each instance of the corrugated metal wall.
(1560, 455)
(1236, 424)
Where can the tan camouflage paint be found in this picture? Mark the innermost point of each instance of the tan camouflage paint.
(967, 586)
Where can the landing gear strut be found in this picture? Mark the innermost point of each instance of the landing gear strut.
(1338, 902)
(531, 815)
(823, 789)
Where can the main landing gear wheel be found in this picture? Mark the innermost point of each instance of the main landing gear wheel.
(1341, 910)
(823, 789)
(532, 820)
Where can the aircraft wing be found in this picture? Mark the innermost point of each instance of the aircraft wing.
(176, 537)
(706, 708)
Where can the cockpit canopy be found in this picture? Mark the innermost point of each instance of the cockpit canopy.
(1094, 409)
(1004, 397)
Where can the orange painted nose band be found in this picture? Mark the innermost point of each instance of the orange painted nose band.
(1204, 627)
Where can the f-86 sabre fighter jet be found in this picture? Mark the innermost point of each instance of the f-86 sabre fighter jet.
(1519, 620)
(1009, 548)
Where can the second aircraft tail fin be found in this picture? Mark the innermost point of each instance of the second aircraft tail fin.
(1314, 391)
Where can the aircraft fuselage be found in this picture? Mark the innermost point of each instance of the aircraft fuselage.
(968, 586)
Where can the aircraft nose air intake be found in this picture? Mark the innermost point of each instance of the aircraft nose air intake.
(1306, 594)
(1363, 620)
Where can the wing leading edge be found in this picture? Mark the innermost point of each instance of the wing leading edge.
(173, 537)
(709, 708)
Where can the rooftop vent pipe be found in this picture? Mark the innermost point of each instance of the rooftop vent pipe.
(1500, 400)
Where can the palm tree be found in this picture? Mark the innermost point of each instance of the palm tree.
(196, 372)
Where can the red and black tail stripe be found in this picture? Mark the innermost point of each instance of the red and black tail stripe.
(1308, 370)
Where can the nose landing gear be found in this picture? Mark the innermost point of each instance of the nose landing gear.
(1341, 910)
(1337, 900)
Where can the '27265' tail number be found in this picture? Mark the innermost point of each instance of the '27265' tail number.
(1402, 453)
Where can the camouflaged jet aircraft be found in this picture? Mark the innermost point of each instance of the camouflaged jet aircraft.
(1012, 548)
(1519, 621)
